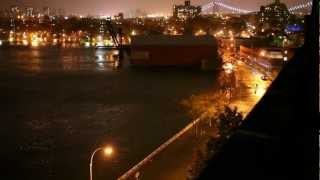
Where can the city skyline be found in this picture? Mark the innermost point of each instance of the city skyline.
(129, 7)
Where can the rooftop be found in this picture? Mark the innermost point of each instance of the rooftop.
(183, 40)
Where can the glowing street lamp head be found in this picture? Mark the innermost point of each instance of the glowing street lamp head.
(108, 151)
(262, 53)
(285, 58)
(133, 33)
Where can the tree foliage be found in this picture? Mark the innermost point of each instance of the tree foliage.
(228, 121)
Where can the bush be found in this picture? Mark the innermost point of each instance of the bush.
(228, 121)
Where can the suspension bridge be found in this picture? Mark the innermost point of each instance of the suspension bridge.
(223, 7)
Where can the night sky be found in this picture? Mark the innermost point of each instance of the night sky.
(110, 7)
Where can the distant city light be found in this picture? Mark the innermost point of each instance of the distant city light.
(262, 53)
(156, 15)
(25, 42)
(11, 39)
(35, 40)
(133, 33)
(34, 43)
(87, 44)
(200, 32)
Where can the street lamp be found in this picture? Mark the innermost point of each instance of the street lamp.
(262, 53)
(108, 151)
(285, 58)
(133, 33)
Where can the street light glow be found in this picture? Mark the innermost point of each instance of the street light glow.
(200, 32)
(262, 53)
(260, 91)
(133, 33)
(108, 151)
(285, 58)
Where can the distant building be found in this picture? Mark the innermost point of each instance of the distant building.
(186, 11)
(102, 27)
(15, 11)
(119, 17)
(29, 12)
(46, 11)
(266, 57)
(273, 17)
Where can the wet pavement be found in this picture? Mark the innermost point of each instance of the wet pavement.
(174, 162)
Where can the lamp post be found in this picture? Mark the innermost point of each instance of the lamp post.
(108, 151)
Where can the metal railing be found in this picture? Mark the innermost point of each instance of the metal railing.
(131, 172)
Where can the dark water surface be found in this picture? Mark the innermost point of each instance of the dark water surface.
(58, 105)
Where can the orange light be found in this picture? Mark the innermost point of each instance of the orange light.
(262, 53)
(108, 151)
(133, 33)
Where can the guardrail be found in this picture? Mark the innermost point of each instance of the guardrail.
(131, 172)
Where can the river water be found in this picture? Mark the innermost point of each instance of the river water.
(59, 104)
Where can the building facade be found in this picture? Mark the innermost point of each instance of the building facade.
(186, 11)
(273, 17)
(164, 50)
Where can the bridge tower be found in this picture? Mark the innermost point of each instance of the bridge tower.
(215, 7)
(211, 7)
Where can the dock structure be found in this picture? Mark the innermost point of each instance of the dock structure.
(180, 50)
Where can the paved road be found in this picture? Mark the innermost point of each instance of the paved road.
(172, 163)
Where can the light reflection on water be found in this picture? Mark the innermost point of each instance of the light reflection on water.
(65, 116)
(39, 59)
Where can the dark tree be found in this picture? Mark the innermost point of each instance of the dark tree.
(228, 121)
